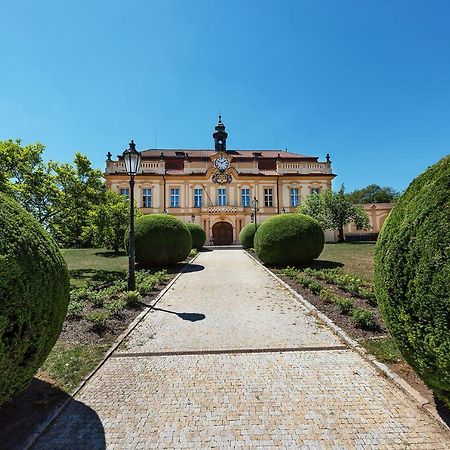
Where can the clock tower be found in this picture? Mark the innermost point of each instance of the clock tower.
(220, 136)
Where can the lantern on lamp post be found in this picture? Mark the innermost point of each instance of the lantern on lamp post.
(132, 160)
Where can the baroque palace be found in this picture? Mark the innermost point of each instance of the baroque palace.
(221, 189)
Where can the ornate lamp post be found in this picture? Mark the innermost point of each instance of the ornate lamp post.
(132, 159)
(255, 210)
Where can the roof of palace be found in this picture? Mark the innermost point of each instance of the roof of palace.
(240, 154)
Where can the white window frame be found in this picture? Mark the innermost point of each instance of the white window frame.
(246, 204)
(294, 196)
(221, 196)
(125, 192)
(198, 197)
(146, 197)
(175, 195)
(268, 197)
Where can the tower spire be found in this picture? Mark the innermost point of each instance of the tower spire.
(220, 136)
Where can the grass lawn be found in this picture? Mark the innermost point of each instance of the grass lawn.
(356, 259)
(384, 349)
(69, 362)
(93, 264)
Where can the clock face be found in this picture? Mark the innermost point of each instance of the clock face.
(222, 163)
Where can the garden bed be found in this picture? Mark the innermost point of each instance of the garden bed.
(376, 341)
(333, 313)
(82, 343)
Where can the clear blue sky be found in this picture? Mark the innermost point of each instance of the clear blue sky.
(366, 81)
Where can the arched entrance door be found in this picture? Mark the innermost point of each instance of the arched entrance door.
(222, 233)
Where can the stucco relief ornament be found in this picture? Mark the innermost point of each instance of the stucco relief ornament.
(221, 178)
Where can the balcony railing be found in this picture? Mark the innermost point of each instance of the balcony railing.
(223, 209)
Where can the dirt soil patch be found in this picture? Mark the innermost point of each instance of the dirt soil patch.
(332, 311)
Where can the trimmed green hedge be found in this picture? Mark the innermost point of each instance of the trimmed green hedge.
(289, 239)
(198, 235)
(247, 235)
(161, 240)
(34, 294)
(412, 276)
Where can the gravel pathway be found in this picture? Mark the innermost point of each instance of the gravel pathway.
(229, 358)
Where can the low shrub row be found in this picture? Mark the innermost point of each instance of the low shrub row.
(198, 235)
(99, 303)
(163, 240)
(360, 317)
(289, 239)
(348, 283)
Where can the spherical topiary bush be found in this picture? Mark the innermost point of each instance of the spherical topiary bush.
(34, 294)
(161, 240)
(198, 235)
(247, 234)
(289, 239)
(412, 276)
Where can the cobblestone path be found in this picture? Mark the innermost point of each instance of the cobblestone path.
(229, 358)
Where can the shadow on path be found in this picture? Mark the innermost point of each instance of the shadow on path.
(443, 411)
(191, 317)
(193, 268)
(23, 416)
(77, 424)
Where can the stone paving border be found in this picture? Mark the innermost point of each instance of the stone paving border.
(41, 428)
(423, 403)
(230, 351)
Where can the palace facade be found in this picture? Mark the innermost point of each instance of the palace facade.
(217, 188)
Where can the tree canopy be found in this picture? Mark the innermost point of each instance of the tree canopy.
(334, 210)
(69, 200)
(374, 194)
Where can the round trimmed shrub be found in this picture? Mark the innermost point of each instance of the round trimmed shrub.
(247, 235)
(34, 294)
(289, 239)
(198, 235)
(412, 276)
(161, 240)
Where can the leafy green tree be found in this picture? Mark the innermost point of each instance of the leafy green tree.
(69, 200)
(374, 194)
(25, 177)
(80, 190)
(108, 221)
(334, 210)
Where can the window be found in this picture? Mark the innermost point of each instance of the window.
(268, 197)
(315, 190)
(147, 198)
(245, 197)
(221, 197)
(125, 191)
(294, 197)
(175, 198)
(198, 198)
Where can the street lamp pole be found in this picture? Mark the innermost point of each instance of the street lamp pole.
(255, 209)
(132, 159)
(132, 247)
